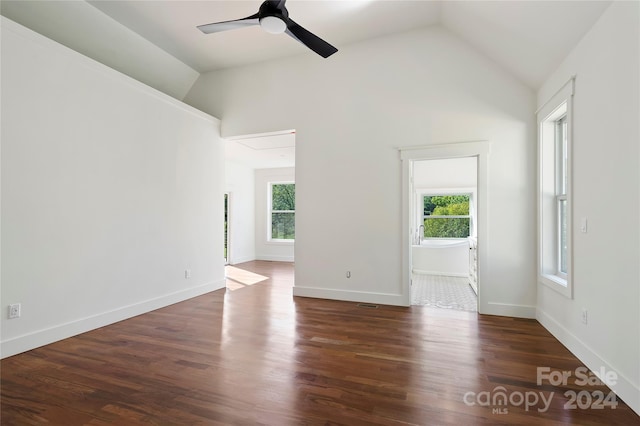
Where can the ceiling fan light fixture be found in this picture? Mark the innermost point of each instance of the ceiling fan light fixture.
(273, 24)
(273, 17)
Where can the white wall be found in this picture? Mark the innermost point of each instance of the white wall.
(85, 29)
(271, 250)
(110, 190)
(446, 174)
(350, 112)
(606, 190)
(240, 184)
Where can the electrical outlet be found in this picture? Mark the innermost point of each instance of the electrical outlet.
(14, 310)
(584, 316)
(187, 273)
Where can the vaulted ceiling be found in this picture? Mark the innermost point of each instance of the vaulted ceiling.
(527, 38)
(157, 42)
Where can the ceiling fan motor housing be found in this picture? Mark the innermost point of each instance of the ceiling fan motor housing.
(273, 17)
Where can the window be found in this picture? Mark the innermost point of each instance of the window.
(446, 216)
(554, 126)
(561, 193)
(282, 211)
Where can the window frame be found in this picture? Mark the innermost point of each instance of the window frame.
(270, 213)
(429, 192)
(555, 119)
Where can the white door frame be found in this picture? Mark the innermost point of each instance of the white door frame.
(409, 155)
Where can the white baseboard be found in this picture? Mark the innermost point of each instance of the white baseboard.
(234, 261)
(46, 336)
(275, 258)
(628, 391)
(351, 296)
(507, 310)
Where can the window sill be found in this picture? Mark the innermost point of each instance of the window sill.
(559, 284)
(281, 242)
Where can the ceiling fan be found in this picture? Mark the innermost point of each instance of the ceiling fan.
(273, 17)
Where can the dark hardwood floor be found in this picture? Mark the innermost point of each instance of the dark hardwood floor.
(253, 354)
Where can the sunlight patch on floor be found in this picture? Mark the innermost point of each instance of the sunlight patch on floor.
(239, 278)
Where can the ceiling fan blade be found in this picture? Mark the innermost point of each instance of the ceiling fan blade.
(217, 27)
(310, 40)
(278, 4)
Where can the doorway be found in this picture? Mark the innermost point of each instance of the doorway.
(413, 226)
(445, 219)
(252, 161)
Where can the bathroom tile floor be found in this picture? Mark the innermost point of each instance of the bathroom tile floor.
(440, 291)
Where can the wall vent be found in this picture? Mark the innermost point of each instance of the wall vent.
(367, 305)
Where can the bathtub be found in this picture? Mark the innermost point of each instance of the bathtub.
(441, 257)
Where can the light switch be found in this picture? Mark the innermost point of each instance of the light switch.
(583, 225)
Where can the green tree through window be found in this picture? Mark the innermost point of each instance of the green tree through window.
(283, 206)
(446, 216)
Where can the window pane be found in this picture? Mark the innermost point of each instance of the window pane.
(565, 156)
(283, 226)
(446, 228)
(283, 196)
(562, 222)
(446, 205)
(562, 154)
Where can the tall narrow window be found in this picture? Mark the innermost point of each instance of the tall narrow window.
(561, 194)
(554, 126)
(282, 211)
(226, 228)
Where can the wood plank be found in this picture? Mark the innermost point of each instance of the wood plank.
(253, 354)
